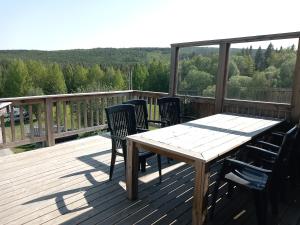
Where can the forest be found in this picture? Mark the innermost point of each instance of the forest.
(256, 74)
(253, 74)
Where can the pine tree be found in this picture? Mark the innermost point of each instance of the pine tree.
(268, 54)
(259, 59)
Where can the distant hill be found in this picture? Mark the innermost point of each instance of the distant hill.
(104, 56)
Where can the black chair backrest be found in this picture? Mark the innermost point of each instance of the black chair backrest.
(284, 152)
(121, 121)
(169, 110)
(141, 113)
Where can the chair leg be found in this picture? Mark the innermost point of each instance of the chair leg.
(274, 200)
(230, 190)
(215, 195)
(261, 205)
(112, 165)
(159, 166)
(143, 164)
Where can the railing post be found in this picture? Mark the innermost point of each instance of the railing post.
(174, 71)
(49, 122)
(222, 76)
(295, 113)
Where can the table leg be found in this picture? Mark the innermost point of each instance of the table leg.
(200, 193)
(132, 170)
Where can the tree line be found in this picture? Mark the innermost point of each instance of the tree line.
(252, 74)
(32, 77)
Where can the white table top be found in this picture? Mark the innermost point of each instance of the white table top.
(205, 138)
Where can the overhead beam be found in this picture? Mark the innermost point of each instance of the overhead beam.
(267, 37)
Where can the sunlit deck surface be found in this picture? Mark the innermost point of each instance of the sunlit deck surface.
(68, 184)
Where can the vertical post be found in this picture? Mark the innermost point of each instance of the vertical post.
(49, 122)
(58, 112)
(31, 122)
(222, 76)
(132, 170)
(174, 71)
(295, 114)
(200, 193)
(2, 130)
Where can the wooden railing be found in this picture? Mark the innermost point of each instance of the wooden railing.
(222, 104)
(48, 118)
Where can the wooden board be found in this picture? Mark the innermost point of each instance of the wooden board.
(68, 184)
(206, 138)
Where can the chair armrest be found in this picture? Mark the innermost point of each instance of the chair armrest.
(157, 121)
(267, 144)
(118, 138)
(236, 164)
(141, 130)
(188, 117)
(278, 134)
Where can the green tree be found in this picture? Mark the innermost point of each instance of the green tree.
(68, 72)
(79, 80)
(237, 87)
(158, 79)
(259, 60)
(16, 82)
(196, 81)
(268, 53)
(139, 76)
(286, 74)
(54, 81)
(244, 64)
(95, 75)
(37, 74)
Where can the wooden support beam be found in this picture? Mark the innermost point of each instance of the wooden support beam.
(174, 71)
(222, 76)
(295, 113)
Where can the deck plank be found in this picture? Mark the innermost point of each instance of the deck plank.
(68, 184)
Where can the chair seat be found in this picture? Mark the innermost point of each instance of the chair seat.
(145, 154)
(248, 177)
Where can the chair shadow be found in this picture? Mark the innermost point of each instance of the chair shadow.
(96, 190)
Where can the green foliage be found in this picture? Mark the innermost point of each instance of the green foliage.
(197, 81)
(139, 76)
(245, 65)
(238, 86)
(252, 73)
(260, 62)
(158, 79)
(16, 79)
(54, 82)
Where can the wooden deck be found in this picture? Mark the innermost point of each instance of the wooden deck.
(68, 184)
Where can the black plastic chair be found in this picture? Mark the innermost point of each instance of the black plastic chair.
(121, 123)
(141, 114)
(142, 123)
(259, 180)
(169, 110)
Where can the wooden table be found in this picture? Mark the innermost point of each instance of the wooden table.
(197, 142)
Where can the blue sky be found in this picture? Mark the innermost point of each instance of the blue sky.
(69, 24)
